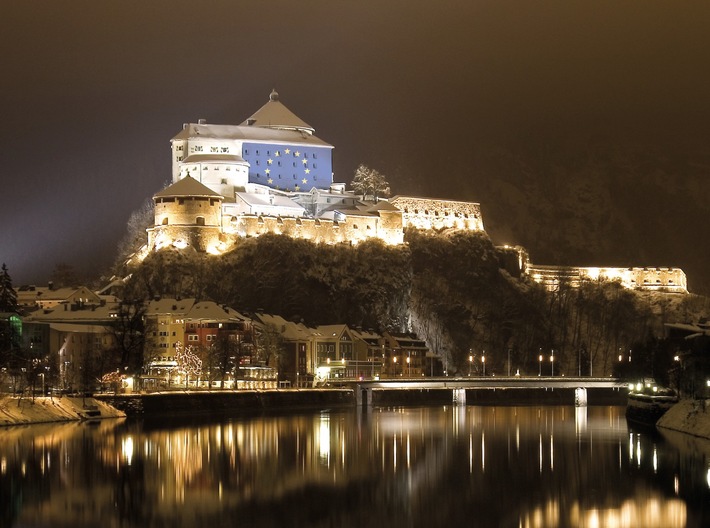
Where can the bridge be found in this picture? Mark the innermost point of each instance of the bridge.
(458, 386)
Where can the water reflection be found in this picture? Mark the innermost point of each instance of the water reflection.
(444, 466)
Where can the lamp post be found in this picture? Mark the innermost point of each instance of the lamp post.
(552, 362)
(470, 362)
(483, 362)
(539, 359)
(394, 361)
(409, 368)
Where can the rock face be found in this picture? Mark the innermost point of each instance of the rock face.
(688, 416)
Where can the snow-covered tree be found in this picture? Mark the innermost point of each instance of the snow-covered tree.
(370, 183)
(8, 296)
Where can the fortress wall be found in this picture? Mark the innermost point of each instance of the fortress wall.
(424, 213)
(201, 238)
(317, 230)
(390, 228)
(648, 279)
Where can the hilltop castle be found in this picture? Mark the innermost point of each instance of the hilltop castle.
(272, 174)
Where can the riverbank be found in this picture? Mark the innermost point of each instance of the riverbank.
(25, 411)
(688, 416)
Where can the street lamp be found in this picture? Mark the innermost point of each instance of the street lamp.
(409, 368)
(470, 363)
(394, 360)
(539, 372)
(483, 361)
(552, 361)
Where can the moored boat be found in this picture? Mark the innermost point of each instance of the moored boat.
(647, 402)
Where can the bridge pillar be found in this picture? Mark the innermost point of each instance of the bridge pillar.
(580, 397)
(363, 396)
(459, 396)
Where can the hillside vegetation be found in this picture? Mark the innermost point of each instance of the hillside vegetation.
(451, 289)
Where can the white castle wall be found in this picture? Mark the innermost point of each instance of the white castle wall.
(664, 279)
(426, 213)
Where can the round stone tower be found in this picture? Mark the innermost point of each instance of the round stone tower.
(187, 214)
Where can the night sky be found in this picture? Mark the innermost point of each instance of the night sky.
(92, 92)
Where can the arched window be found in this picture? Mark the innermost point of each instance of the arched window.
(200, 220)
(165, 221)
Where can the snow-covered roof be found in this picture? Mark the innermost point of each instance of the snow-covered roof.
(249, 133)
(289, 330)
(275, 115)
(213, 158)
(331, 331)
(188, 186)
(382, 205)
(210, 310)
(169, 306)
(80, 328)
(66, 313)
(365, 335)
(271, 200)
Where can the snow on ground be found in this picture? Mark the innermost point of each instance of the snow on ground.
(688, 416)
(16, 411)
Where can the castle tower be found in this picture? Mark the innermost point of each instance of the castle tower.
(187, 214)
(273, 148)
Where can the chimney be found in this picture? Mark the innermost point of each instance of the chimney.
(202, 121)
(50, 285)
(184, 126)
(251, 121)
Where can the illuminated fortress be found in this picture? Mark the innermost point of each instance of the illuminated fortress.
(271, 174)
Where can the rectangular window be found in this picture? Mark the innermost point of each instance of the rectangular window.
(198, 148)
(214, 149)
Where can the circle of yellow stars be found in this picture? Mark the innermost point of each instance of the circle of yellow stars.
(297, 154)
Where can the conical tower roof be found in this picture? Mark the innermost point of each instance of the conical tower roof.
(188, 186)
(275, 115)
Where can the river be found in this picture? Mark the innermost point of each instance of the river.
(384, 467)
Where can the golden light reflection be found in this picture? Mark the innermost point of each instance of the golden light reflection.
(212, 468)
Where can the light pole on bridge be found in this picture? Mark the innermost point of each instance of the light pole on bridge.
(552, 362)
(483, 361)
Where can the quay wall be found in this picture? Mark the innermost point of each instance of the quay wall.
(224, 402)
